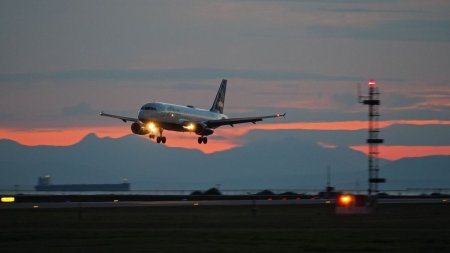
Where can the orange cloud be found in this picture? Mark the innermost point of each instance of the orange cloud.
(60, 136)
(71, 136)
(398, 152)
(337, 125)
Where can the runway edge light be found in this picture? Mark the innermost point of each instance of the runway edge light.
(8, 199)
(352, 204)
(345, 200)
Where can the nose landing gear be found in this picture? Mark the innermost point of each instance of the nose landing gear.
(160, 138)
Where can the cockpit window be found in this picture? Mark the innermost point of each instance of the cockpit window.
(148, 108)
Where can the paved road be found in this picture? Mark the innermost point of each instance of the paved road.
(202, 203)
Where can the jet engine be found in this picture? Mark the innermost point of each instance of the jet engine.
(202, 129)
(139, 129)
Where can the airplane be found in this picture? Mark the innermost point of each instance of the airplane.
(156, 117)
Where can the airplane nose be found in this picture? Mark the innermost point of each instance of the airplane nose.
(141, 114)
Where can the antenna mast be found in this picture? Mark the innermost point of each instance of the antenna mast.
(373, 101)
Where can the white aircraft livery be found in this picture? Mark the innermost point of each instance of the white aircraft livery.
(155, 117)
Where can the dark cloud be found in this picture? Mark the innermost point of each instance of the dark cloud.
(324, 1)
(400, 30)
(431, 135)
(393, 100)
(408, 135)
(369, 10)
(171, 74)
(345, 101)
(6, 116)
(81, 109)
(83, 55)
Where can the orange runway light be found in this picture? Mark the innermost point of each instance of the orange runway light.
(345, 200)
(352, 204)
(8, 199)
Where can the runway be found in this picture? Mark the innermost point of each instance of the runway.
(116, 203)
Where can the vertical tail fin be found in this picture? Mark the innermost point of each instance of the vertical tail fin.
(219, 102)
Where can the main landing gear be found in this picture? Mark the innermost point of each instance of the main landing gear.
(202, 139)
(160, 138)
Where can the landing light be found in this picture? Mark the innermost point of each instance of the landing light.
(151, 127)
(190, 127)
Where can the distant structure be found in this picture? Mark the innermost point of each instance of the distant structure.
(373, 101)
(329, 187)
(330, 192)
(44, 184)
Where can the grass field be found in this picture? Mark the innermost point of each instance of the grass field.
(315, 228)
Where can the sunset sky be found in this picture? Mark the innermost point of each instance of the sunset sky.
(62, 62)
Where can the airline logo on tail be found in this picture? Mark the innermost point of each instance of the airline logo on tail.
(219, 102)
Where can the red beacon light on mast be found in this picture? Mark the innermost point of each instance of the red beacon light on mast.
(371, 83)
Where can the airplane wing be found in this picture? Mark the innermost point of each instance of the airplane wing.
(232, 121)
(124, 119)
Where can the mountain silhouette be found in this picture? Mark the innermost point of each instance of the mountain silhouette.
(291, 163)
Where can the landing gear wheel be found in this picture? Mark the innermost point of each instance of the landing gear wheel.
(160, 138)
(202, 140)
(151, 136)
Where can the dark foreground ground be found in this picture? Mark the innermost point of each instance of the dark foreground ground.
(315, 228)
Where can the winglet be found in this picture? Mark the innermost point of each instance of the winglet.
(281, 115)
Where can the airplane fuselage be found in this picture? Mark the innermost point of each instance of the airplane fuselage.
(175, 117)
